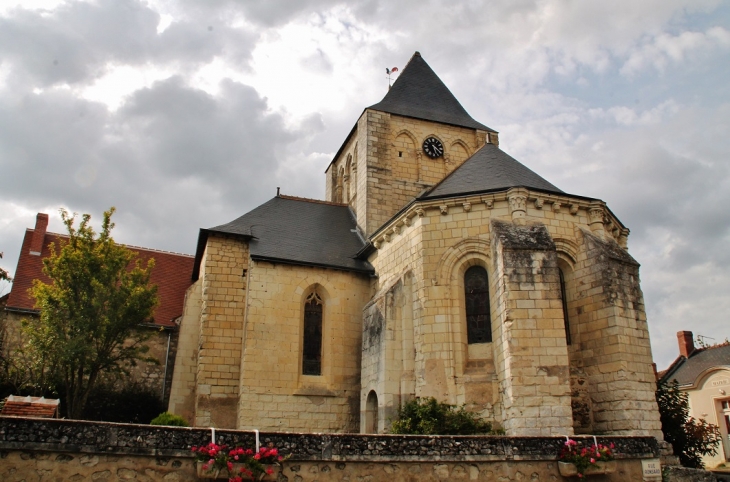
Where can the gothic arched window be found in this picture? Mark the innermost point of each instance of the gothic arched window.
(476, 294)
(564, 299)
(312, 339)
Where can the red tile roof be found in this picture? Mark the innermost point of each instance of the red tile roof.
(171, 274)
(40, 407)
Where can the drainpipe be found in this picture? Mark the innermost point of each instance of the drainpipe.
(167, 361)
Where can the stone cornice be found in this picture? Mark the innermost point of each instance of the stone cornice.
(600, 218)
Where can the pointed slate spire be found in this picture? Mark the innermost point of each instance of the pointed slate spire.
(489, 169)
(418, 92)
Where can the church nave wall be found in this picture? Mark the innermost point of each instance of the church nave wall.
(275, 394)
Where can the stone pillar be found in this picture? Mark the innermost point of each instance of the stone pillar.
(595, 215)
(223, 275)
(613, 340)
(530, 349)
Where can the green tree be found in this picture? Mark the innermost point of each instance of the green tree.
(4, 274)
(690, 438)
(90, 313)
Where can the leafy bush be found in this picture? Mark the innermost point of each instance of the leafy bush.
(690, 438)
(167, 418)
(430, 417)
(132, 403)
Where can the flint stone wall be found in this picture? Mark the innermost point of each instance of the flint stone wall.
(36, 449)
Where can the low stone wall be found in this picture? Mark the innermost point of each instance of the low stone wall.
(33, 449)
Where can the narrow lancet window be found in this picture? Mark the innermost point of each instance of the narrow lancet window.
(478, 318)
(312, 350)
(564, 299)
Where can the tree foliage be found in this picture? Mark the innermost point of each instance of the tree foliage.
(428, 416)
(89, 313)
(4, 274)
(690, 438)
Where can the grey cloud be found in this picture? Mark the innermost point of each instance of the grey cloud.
(76, 42)
(172, 160)
(262, 12)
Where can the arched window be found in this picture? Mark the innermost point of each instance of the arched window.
(564, 299)
(476, 294)
(312, 342)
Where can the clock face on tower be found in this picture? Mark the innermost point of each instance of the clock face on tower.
(433, 147)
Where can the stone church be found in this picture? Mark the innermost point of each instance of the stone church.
(437, 266)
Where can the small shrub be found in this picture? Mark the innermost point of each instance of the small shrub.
(431, 417)
(167, 418)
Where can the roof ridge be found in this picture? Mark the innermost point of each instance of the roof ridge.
(709, 347)
(310, 200)
(132, 246)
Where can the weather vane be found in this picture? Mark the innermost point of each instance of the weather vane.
(389, 72)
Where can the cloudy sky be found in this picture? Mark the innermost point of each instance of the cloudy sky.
(187, 113)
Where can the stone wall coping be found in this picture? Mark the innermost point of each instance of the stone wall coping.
(163, 441)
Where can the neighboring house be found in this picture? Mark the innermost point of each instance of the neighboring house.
(704, 374)
(437, 265)
(171, 274)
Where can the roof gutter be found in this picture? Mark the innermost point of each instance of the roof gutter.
(270, 259)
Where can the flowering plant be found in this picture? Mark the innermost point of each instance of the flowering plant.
(585, 457)
(249, 465)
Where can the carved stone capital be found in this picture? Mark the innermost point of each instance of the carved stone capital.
(595, 215)
(623, 239)
(517, 208)
(517, 203)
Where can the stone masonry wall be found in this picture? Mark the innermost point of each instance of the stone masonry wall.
(532, 356)
(391, 184)
(35, 450)
(182, 391)
(391, 168)
(274, 394)
(437, 241)
(224, 283)
(614, 340)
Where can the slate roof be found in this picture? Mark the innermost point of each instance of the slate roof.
(297, 231)
(489, 169)
(686, 370)
(418, 92)
(171, 274)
